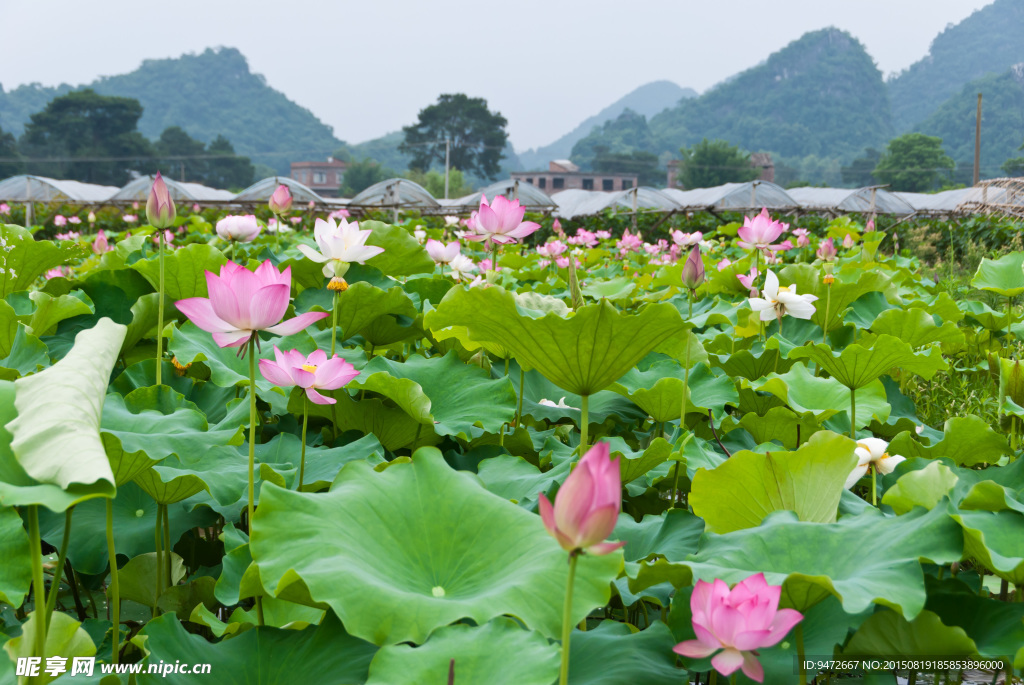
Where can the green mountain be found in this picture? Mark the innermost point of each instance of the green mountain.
(207, 94)
(625, 133)
(647, 100)
(821, 95)
(987, 42)
(1002, 122)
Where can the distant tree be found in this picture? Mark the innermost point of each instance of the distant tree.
(175, 142)
(643, 164)
(477, 135)
(1014, 166)
(433, 181)
(914, 163)
(8, 151)
(859, 173)
(84, 124)
(711, 163)
(623, 135)
(361, 175)
(225, 169)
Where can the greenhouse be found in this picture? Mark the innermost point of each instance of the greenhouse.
(260, 191)
(27, 188)
(574, 203)
(529, 196)
(734, 197)
(396, 194)
(867, 200)
(138, 191)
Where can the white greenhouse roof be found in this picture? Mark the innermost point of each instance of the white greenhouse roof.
(138, 191)
(572, 203)
(528, 194)
(261, 190)
(400, 192)
(752, 195)
(864, 200)
(27, 188)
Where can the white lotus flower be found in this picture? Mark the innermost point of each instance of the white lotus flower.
(461, 267)
(340, 245)
(561, 404)
(871, 452)
(779, 301)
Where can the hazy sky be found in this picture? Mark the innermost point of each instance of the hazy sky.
(367, 68)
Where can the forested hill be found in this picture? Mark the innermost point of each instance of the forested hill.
(989, 41)
(207, 94)
(1002, 121)
(648, 100)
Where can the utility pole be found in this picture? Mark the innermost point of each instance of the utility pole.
(977, 144)
(447, 151)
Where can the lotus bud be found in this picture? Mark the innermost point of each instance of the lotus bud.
(693, 269)
(160, 207)
(574, 286)
(827, 250)
(870, 228)
(848, 241)
(92, 217)
(281, 201)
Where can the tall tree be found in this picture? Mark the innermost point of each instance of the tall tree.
(914, 163)
(224, 168)
(859, 173)
(361, 175)
(477, 135)
(711, 163)
(10, 165)
(96, 129)
(174, 143)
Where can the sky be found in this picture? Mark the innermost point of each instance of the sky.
(367, 68)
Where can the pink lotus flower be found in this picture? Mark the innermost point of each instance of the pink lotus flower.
(340, 214)
(196, 208)
(563, 262)
(243, 302)
(441, 253)
(556, 226)
(737, 621)
(309, 373)
(801, 237)
(693, 269)
(653, 250)
(848, 241)
(160, 210)
(748, 281)
(552, 248)
(760, 231)
(500, 222)
(57, 272)
(583, 237)
(281, 201)
(602, 235)
(130, 218)
(135, 205)
(100, 244)
(687, 239)
(74, 220)
(827, 250)
(70, 235)
(785, 245)
(722, 265)
(5, 208)
(629, 243)
(296, 220)
(587, 505)
(242, 229)
(60, 221)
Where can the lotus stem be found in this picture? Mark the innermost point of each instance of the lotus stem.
(519, 408)
(38, 591)
(853, 413)
(305, 421)
(115, 587)
(252, 451)
(334, 322)
(51, 599)
(874, 486)
(160, 309)
(828, 307)
(167, 548)
(158, 544)
(799, 634)
(584, 422)
(494, 258)
(675, 485)
(563, 676)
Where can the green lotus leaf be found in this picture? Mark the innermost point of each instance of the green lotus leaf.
(42, 311)
(614, 289)
(967, 440)
(582, 354)
(442, 392)
(612, 654)
(744, 364)
(518, 480)
(994, 538)
(888, 633)
(863, 560)
(826, 397)
(134, 521)
(916, 327)
(781, 425)
(923, 488)
(997, 628)
(16, 572)
(68, 394)
(403, 255)
(849, 285)
(9, 321)
(748, 486)
(138, 577)
(168, 484)
(461, 333)
(27, 355)
(322, 463)
(461, 551)
(672, 535)
(659, 390)
(25, 259)
(985, 316)
(632, 464)
(868, 307)
(856, 366)
(145, 317)
(1003, 276)
(391, 425)
(496, 652)
(261, 656)
(65, 637)
(366, 310)
(601, 406)
(184, 270)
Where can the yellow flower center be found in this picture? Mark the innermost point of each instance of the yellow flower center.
(309, 367)
(784, 288)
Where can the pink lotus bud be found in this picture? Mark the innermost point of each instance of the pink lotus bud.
(801, 237)
(587, 505)
(100, 244)
(738, 622)
(848, 241)
(870, 228)
(693, 269)
(556, 226)
(196, 208)
(723, 264)
(92, 217)
(312, 204)
(160, 207)
(281, 201)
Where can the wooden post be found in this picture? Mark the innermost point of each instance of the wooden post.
(635, 191)
(977, 143)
